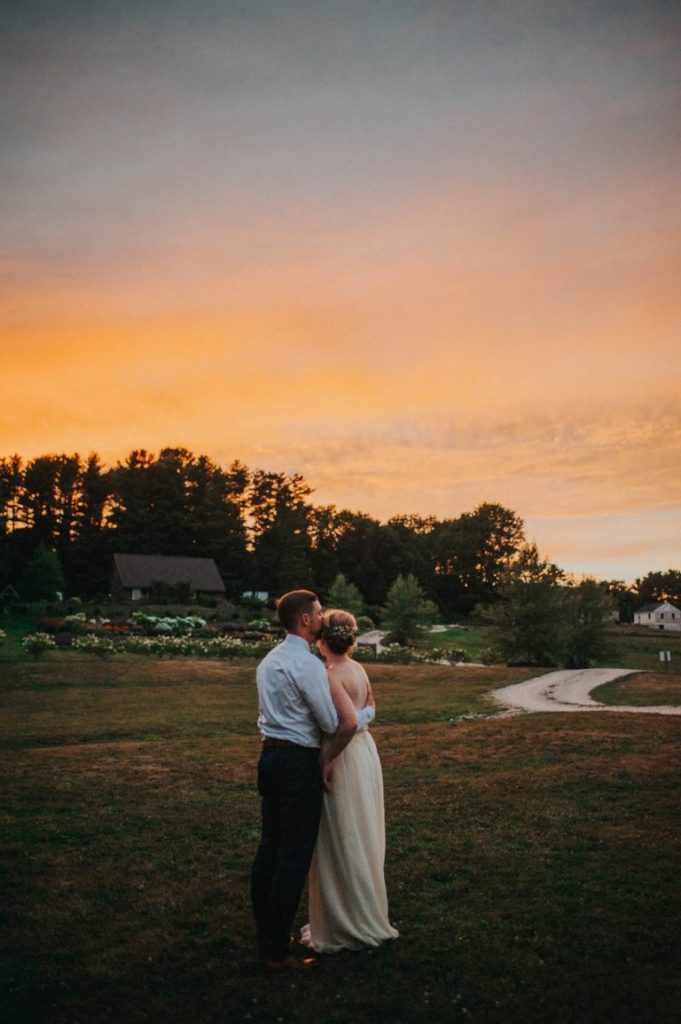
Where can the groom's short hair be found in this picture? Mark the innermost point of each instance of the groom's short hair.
(291, 606)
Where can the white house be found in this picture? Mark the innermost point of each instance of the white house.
(659, 616)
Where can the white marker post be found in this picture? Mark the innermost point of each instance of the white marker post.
(666, 657)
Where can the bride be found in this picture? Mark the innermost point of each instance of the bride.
(348, 901)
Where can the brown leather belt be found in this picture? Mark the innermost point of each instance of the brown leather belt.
(270, 741)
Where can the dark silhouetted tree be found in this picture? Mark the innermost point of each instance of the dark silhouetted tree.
(365, 555)
(472, 553)
(325, 526)
(624, 597)
(41, 498)
(88, 565)
(217, 510)
(131, 509)
(280, 516)
(42, 578)
(589, 608)
(410, 539)
(659, 586)
(529, 621)
(13, 553)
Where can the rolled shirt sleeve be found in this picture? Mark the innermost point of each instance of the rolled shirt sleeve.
(365, 716)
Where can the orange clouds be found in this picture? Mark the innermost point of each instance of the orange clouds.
(451, 350)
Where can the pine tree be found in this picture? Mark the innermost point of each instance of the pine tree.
(344, 594)
(407, 610)
(42, 578)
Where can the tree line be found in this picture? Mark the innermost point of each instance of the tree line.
(261, 527)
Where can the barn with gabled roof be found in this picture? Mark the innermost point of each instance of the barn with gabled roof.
(133, 576)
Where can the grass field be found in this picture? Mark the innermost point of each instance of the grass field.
(14, 627)
(471, 639)
(652, 688)
(631, 646)
(639, 647)
(532, 862)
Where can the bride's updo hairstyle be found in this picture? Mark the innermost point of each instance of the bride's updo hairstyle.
(339, 630)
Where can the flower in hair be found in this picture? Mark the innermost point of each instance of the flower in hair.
(345, 633)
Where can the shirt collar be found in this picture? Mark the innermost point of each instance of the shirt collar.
(297, 641)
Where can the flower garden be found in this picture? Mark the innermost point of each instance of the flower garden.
(190, 636)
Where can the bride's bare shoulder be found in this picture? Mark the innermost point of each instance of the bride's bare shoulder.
(360, 681)
(351, 676)
(359, 672)
(360, 669)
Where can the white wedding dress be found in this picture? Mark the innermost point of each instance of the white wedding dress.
(348, 901)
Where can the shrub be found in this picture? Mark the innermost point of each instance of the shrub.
(76, 623)
(396, 654)
(37, 643)
(193, 647)
(103, 647)
(450, 655)
(364, 623)
(177, 625)
(490, 656)
(391, 654)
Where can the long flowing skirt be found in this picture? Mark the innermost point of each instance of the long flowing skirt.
(348, 901)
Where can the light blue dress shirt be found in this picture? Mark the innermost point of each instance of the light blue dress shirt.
(294, 696)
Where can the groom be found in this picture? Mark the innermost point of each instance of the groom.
(295, 709)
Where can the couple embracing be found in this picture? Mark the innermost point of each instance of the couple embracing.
(321, 789)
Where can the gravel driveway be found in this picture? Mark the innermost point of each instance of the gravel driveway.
(569, 691)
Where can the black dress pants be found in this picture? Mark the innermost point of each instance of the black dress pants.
(290, 786)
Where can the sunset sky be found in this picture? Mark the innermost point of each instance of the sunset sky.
(424, 253)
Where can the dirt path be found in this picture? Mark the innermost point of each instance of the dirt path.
(570, 691)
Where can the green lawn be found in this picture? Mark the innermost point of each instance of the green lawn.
(532, 862)
(631, 647)
(14, 627)
(639, 647)
(471, 639)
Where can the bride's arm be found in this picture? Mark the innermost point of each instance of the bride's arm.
(347, 725)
